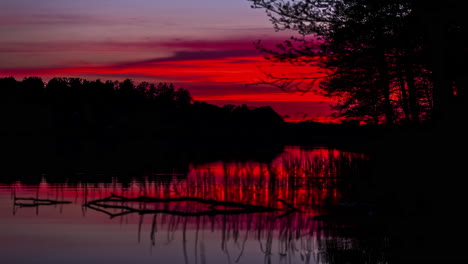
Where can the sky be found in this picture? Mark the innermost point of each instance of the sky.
(205, 46)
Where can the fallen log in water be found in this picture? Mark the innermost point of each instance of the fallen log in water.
(213, 207)
(33, 202)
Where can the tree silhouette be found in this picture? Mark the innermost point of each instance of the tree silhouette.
(9, 89)
(182, 97)
(74, 109)
(32, 89)
(387, 60)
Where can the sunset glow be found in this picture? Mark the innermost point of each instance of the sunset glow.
(207, 48)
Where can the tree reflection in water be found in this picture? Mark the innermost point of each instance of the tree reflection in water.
(291, 208)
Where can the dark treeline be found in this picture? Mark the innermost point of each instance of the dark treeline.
(75, 123)
(73, 106)
(70, 125)
(388, 61)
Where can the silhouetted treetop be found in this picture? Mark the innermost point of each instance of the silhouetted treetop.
(386, 61)
(78, 107)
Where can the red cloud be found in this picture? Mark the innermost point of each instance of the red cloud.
(213, 71)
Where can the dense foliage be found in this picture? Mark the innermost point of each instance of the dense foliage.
(72, 106)
(387, 61)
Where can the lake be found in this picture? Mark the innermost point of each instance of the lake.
(300, 207)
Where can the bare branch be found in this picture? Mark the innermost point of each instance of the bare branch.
(211, 207)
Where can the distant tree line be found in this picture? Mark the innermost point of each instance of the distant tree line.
(83, 108)
(387, 61)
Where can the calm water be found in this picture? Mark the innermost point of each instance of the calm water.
(271, 216)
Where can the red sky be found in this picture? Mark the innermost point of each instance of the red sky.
(206, 48)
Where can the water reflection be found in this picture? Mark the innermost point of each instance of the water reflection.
(218, 212)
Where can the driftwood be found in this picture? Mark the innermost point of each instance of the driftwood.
(212, 206)
(34, 202)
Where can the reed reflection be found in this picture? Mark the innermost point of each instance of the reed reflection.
(247, 209)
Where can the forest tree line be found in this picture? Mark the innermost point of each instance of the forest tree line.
(74, 106)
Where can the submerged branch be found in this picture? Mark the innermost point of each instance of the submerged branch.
(33, 202)
(212, 206)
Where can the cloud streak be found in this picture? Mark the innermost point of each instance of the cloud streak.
(215, 70)
(60, 19)
(233, 45)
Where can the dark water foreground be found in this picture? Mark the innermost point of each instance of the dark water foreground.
(296, 205)
(216, 212)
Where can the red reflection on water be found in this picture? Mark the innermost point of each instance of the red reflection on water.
(305, 179)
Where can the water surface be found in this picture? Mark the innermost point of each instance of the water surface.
(272, 214)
